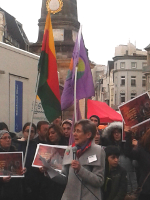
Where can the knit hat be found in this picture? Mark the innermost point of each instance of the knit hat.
(2, 132)
(112, 150)
(96, 118)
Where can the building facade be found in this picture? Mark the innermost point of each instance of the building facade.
(129, 80)
(146, 68)
(98, 73)
(11, 31)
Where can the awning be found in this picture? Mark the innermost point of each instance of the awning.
(103, 111)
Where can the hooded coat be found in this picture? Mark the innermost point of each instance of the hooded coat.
(124, 160)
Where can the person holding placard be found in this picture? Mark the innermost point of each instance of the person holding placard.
(10, 188)
(83, 165)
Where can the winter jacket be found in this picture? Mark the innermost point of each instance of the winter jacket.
(125, 160)
(13, 189)
(90, 175)
(115, 188)
(143, 158)
(37, 140)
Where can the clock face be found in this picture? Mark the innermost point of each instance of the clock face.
(54, 6)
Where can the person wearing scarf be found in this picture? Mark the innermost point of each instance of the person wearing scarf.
(10, 188)
(84, 175)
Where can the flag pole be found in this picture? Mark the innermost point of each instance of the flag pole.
(36, 89)
(75, 79)
(75, 94)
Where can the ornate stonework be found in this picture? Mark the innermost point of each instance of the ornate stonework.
(54, 6)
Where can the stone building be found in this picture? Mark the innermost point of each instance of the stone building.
(129, 80)
(98, 73)
(146, 68)
(11, 31)
(108, 85)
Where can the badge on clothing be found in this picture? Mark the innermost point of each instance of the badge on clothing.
(67, 152)
(92, 158)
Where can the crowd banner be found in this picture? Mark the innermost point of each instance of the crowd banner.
(136, 110)
(11, 164)
(49, 156)
(136, 114)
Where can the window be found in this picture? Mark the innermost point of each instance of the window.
(133, 95)
(143, 81)
(122, 80)
(122, 97)
(144, 64)
(133, 65)
(122, 65)
(133, 80)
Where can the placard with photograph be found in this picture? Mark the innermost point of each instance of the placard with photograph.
(139, 130)
(53, 155)
(136, 110)
(11, 164)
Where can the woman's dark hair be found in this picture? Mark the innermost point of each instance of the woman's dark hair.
(3, 126)
(145, 141)
(112, 150)
(57, 129)
(87, 126)
(112, 133)
(28, 124)
(98, 119)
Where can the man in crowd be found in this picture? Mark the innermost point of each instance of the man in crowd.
(66, 126)
(95, 119)
(42, 129)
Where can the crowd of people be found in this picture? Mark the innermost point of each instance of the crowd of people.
(98, 165)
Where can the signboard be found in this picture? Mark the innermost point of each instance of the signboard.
(18, 105)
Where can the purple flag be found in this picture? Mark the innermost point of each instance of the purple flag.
(85, 86)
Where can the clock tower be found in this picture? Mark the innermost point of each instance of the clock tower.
(65, 28)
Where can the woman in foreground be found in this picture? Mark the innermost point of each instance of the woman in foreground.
(84, 175)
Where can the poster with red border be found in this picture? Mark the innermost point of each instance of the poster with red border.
(11, 164)
(53, 155)
(139, 130)
(136, 110)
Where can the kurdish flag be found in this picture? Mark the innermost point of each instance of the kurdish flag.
(48, 88)
(84, 85)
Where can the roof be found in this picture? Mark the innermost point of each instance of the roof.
(15, 30)
(148, 47)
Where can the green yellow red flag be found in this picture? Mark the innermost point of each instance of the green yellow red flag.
(48, 88)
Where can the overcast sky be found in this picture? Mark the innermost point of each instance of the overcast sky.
(106, 23)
